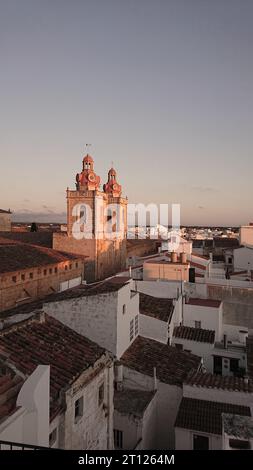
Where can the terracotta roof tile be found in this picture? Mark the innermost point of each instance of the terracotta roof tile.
(43, 340)
(155, 307)
(194, 334)
(16, 256)
(132, 401)
(172, 365)
(204, 302)
(206, 416)
(207, 380)
(9, 388)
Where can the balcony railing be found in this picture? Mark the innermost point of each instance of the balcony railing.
(9, 445)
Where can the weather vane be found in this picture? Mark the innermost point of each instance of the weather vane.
(87, 147)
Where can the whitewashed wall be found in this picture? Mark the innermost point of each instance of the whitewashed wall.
(168, 401)
(184, 439)
(30, 423)
(154, 328)
(204, 350)
(210, 318)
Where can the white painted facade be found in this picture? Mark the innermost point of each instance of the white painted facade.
(138, 432)
(184, 439)
(106, 318)
(243, 258)
(209, 317)
(29, 424)
(168, 400)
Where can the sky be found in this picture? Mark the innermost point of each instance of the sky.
(161, 88)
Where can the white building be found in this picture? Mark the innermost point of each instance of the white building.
(81, 382)
(107, 312)
(206, 397)
(134, 419)
(24, 407)
(149, 365)
(156, 317)
(243, 259)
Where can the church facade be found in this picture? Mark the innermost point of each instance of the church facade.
(96, 223)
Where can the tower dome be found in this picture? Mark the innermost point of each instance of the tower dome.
(87, 179)
(112, 187)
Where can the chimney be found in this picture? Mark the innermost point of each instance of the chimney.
(242, 336)
(130, 271)
(173, 257)
(183, 258)
(225, 341)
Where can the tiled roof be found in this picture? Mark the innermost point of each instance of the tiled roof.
(249, 348)
(226, 242)
(2, 211)
(207, 380)
(204, 302)
(104, 287)
(206, 416)
(9, 389)
(155, 307)
(132, 401)
(194, 334)
(17, 256)
(44, 340)
(172, 365)
(34, 238)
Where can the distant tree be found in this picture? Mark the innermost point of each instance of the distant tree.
(34, 227)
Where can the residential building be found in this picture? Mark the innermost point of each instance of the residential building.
(29, 272)
(81, 380)
(206, 398)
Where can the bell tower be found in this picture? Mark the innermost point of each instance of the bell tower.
(112, 187)
(96, 223)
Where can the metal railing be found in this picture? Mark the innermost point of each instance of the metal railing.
(9, 445)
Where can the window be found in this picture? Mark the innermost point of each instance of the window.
(197, 324)
(52, 437)
(78, 408)
(76, 265)
(66, 267)
(131, 330)
(101, 394)
(45, 272)
(55, 270)
(200, 442)
(178, 346)
(136, 325)
(23, 277)
(50, 271)
(31, 275)
(14, 278)
(234, 365)
(70, 266)
(118, 439)
(124, 309)
(230, 260)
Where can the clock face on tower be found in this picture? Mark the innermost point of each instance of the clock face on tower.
(114, 186)
(91, 177)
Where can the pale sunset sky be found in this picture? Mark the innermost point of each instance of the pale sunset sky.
(163, 88)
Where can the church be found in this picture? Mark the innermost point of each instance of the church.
(96, 223)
